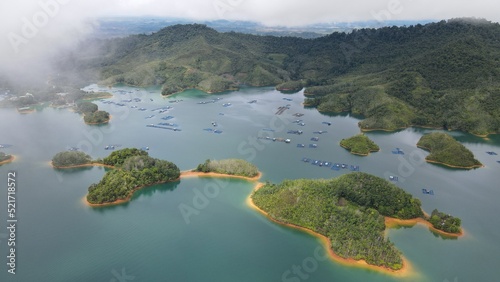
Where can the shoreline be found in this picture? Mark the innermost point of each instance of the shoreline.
(127, 199)
(98, 123)
(190, 173)
(80, 165)
(445, 164)
(391, 222)
(9, 160)
(405, 271)
(184, 174)
(359, 154)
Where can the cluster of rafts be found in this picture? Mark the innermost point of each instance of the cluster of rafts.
(331, 165)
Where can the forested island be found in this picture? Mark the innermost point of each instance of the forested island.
(134, 169)
(348, 210)
(235, 167)
(91, 113)
(4, 158)
(70, 159)
(445, 150)
(359, 145)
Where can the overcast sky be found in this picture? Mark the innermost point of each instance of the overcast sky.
(32, 28)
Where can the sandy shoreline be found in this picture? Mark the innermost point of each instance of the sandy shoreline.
(405, 271)
(11, 159)
(184, 174)
(391, 222)
(80, 166)
(190, 173)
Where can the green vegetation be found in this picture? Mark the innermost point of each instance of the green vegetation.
(70, 158)
(348, 210)
(444, 74)
(360, 145)
(445, 222)
(97, 117)
(446, 150)
(229, 166)
(86, 107)
(134, 169)
(91, 113)
(4, 157)
(290, 86)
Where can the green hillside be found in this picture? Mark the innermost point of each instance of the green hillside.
(443, 74)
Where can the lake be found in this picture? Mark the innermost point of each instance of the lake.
(58, 238)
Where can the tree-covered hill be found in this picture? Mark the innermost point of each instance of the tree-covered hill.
(443, 74)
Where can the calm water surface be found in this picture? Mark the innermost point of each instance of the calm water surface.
(149, 238)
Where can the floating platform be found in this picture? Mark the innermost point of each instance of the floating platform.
(163, 127)
(252, 102)
(306, 160)
(145, 148)
(151, 116)
(393, 178)
(4, 146)
(168, 124)
(226, 105)
(397, 151)
(354, 167)
(142, 109)
(298, 132)
(427, 192)
(298, 115)
(327, 123)
(314, 146)
(320, 132)
(301, 146)
(167, 118)
(336, 166)
(217, 131)
(492, 153)
(281, 110)
(316, 139)
(73, 149)
(268, 129)
(288, 99)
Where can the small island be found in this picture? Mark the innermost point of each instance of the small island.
(349, 211)
(4, 158)
(69, 159)
(447, 151)
(91, 113)
(135, 169)
(359, 145)
(234, 167)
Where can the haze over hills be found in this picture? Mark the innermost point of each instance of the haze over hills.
(442, 74)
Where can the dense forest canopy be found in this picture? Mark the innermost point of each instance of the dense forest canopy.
(348, 210)
(446, 150)
(229, 166)
(133, 169)
(359, 144)
(443, 74)
(70, 158)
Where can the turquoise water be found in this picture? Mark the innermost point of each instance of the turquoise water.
(150, 239)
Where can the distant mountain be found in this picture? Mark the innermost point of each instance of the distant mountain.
(443, 74)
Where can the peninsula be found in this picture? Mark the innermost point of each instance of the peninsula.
(447, 151)
(4, 158)
(349, 211)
